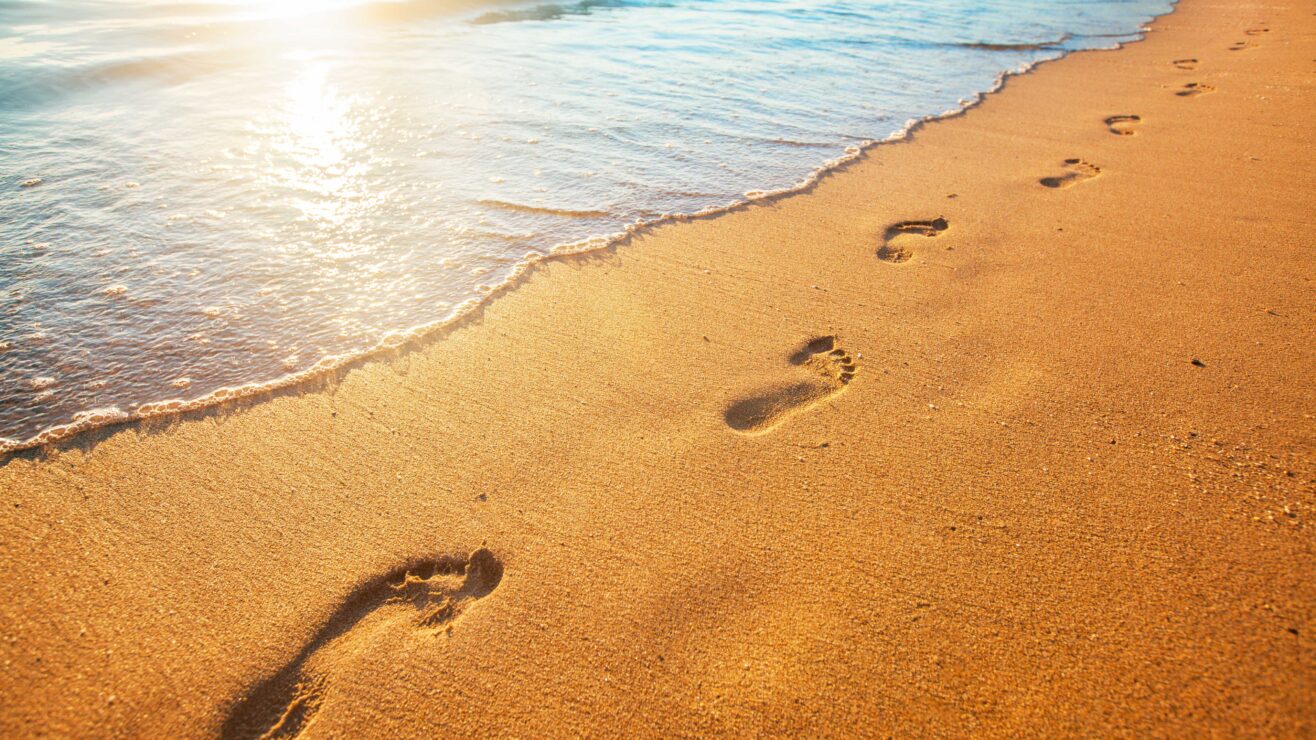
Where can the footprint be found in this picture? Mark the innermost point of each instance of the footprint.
(1256, 31)
(1193, 89)
(1189, 64)
(420, 600)
(1123, 125)
(827, 370)
(1241, 45)
(1078, 171)
(896, 244)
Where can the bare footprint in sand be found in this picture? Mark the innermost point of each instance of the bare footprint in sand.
(1189, 64)
(898, 241)
(1123, 125)
(1241, 45)
(419, 601)
(826, 370)
(1193, 89)
(1076, 171)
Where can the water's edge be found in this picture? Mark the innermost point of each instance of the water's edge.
(397, 344)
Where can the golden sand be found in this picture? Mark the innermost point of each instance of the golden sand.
(1004, 429)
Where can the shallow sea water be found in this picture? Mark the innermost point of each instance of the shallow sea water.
(205, 195)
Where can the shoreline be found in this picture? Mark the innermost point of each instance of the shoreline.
(1004, 430)
(331, 368)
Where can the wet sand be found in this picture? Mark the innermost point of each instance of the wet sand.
(1007, 428)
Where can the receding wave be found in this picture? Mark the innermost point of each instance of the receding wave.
(1053, 45)
(553, 11)
(523, 208)
(804, 144)
(23, 87)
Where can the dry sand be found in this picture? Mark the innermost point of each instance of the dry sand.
(996, 495)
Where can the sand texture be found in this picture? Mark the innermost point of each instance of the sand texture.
(1005, 429)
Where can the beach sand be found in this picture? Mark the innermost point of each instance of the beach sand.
(1006, 428)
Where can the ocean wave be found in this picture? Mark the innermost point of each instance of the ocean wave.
(548, 211)
(1052, 45)
(24, 86)
(554, 11)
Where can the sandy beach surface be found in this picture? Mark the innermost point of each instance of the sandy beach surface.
(1004, 429)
